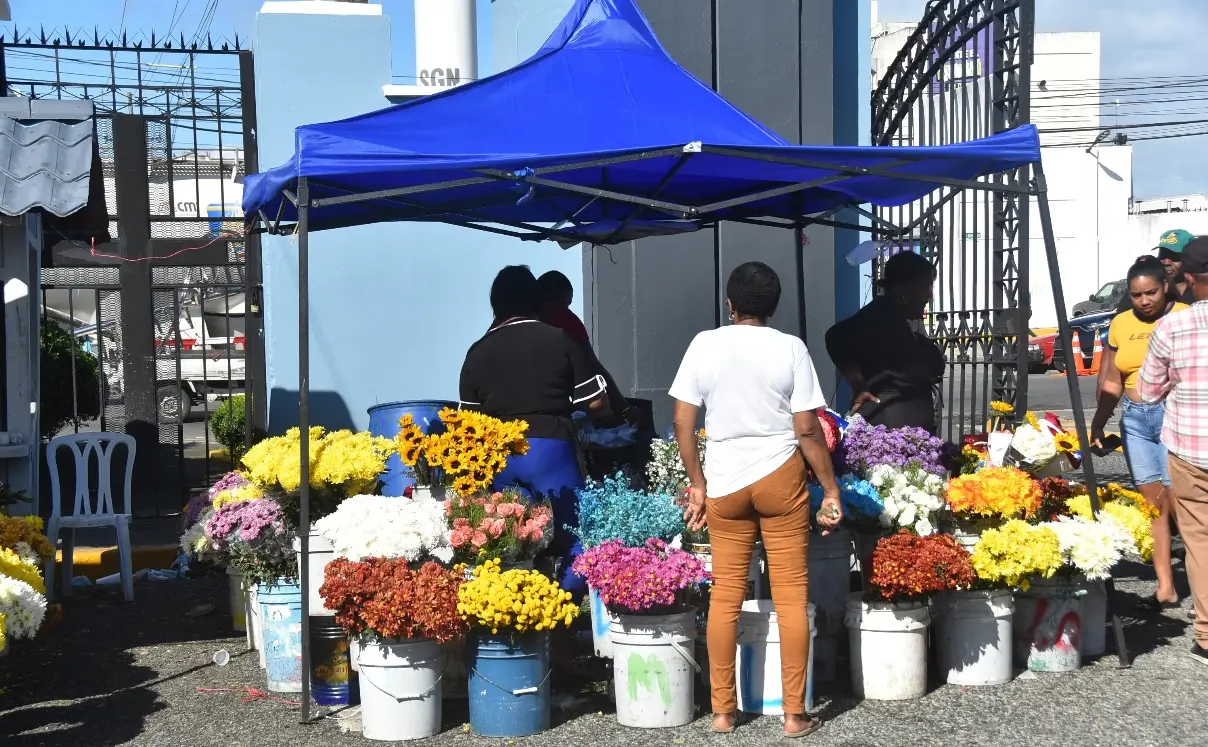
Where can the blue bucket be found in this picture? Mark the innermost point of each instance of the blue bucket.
(383, 421)
(332, 679)
(509, 684)
(281, 612)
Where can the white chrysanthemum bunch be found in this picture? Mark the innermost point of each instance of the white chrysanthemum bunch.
(665, 471)
(912, 497)
(1036, 449)
(1092, 547)
(22, 608)
(374, 526)
(27, 553)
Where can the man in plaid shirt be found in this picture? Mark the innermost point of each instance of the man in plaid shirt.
(1176, 370)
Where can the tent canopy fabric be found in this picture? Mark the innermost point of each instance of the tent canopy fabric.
(603, 133)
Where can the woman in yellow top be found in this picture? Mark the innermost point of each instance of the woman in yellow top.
(1141, 423)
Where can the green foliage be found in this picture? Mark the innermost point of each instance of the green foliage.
(58, 395)
(228, 423)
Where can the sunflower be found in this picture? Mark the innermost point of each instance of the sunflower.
(409, 454)
(1032, 419)
(464, 486)
(1001, 408)
(453, 464)
(1065, 443)
(406, 421)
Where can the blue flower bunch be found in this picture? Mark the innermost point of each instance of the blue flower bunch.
(614, 510)
(862, 504)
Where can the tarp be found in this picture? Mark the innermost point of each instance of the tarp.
(601, 91)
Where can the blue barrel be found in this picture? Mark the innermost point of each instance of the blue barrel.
(509, 684)
(332, 679)
(383, 421)
(281, 612)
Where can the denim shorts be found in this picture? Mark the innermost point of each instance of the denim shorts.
(1141, 430)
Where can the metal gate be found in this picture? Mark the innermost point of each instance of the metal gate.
(165, 315)
(964, 74)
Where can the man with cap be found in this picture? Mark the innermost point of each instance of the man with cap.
(1170, 254)
(1176, 370)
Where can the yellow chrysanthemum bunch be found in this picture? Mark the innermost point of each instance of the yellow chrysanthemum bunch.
(274, 462)
(240, 494)
(1138, 522)
(1120, 494)
(516, 601)
(472, 450)
(351, 462)
(1008, 556)
(27, 529)
(21, 569)
(1004, 492)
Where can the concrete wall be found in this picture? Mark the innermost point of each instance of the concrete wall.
(393, 307)
(20, 239)
(798, 66)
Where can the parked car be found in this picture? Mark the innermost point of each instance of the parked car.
(1040, 352)
(1106, 298)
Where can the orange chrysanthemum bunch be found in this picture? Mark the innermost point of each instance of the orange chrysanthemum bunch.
(906, 566)
(467, 456)
(994, 492)
(386, 598)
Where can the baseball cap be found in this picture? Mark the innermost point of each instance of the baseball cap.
(1175, 240)
(1195, 256)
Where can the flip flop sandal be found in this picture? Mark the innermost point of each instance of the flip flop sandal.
(1152, 605)
(813, 725)
(727, 730)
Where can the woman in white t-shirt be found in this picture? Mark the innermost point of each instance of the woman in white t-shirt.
(760, 395)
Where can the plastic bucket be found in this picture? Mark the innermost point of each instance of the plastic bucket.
(760, 685)
(888, 648)
(1048, 627)
(320, 553)
(1094, 619)
(255, 623)
(400, 688)
(653, 669)
(973, 637)
(332, 681)
(601, 625)
(237, 600)
(509, 684)
(383, 421)
(281, 613)
(829, 584)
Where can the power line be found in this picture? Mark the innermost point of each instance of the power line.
(1126, 126)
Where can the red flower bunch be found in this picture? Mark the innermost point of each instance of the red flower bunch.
(905, 566)
(503, 525)
(1054, 492)
(386, 598)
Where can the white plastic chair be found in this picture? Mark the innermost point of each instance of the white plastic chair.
(90, 512)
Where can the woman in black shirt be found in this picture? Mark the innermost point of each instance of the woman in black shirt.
(522, 369)
(892, 369)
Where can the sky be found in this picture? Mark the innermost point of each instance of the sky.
(1146, 40)
(1151, 40)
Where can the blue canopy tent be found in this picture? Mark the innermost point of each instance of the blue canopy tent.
(602, 137)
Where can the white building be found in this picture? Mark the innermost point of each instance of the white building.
(1089, 182)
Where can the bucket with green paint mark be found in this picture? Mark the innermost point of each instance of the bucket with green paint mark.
(654, 669)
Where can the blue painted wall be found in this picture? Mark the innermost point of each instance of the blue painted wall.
(393, 307)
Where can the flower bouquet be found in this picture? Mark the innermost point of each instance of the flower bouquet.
(1137, 516)
(505, 526)
(654, 579)
(911, 496)
(866, 446)
(907, 566)
(232, 487)
(1091, 547)
(665, 471)
(863, 506)
(24, 535)
(614, 510)
(515, 602)
(466, 456)
(372, 526)
(22, 597)
(1013, 554)
(252, 537)
(992, 495)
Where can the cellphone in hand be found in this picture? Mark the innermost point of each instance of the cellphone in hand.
(1110, 444)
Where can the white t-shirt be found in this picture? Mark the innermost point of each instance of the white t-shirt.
(751, 380)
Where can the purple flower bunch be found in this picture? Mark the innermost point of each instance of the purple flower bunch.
(201, 501)
(245, 521)
(649, 580)
(866, 446)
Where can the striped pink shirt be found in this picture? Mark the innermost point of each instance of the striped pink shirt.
(1176, 369)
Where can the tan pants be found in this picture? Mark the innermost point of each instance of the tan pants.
(1190, 484)
(777, 507)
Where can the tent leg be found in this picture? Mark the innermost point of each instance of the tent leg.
(1071, 377)
(304, 429)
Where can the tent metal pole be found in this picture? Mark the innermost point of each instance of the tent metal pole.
(304, 430)
(1071, 377)
(671, 208)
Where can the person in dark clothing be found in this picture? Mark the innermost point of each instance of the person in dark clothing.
(893, 370)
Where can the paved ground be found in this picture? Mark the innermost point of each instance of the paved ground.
(141, 674)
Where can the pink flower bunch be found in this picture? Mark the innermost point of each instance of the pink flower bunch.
(246, 521)
(502, 525)
(641, 580)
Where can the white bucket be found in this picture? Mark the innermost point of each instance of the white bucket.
(1048, 627)
(1094, 619)
(829, 565)
(255, 625)
(237, 600)
(888, 648)
(320, 552)
(601, 625)
(654, 670)
(973, 637)
(757, 665)
(400, 689)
